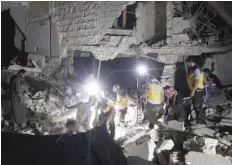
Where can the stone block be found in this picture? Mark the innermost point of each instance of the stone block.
(179, 24)
(179, 38)
(199, 158)
(127, 41)
(117, 32)
(39, 59)
(112, 14)
(169, 66)
(114, 41)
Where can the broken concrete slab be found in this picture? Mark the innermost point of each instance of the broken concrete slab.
(117, 32)
(114, 41)
(210, 146)
(179, 38)
(202, 130)
(175, 125)
(39, 59)
(179, 25)
(16, 67)
(166, 145)
(198, 158)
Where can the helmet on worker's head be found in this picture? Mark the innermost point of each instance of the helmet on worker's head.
(116, 87)
(154, 81)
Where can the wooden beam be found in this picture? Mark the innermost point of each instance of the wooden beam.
(124, 17)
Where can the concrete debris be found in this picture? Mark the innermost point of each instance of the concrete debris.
(16, 67)
(166, 145)
(197, 158)
(210, 146)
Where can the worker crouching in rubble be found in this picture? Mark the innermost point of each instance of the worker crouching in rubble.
(85, 114)
(196, 85)
(106, 117)
(176, 108)
(19, 111)
(122, 103)
(155, 99)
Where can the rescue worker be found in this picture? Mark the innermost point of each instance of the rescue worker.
(121, 103)
(71, 130)
(175, 108)
(19, 111)
(155, 98)
(196, 85)
(106, 117)
(212, 85)
(86, 114)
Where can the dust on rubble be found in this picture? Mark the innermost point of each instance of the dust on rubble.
(46, 100)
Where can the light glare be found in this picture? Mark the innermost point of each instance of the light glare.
(92, 88)
(142, 69)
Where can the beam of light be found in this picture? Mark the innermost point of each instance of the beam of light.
(141, 69)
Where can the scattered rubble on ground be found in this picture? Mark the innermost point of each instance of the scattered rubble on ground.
(48, 114)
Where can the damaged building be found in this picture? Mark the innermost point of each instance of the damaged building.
(60, 43)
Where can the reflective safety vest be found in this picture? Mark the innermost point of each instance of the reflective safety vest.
(122, 103)
(154, 94)
(192, 80)
(108, 108)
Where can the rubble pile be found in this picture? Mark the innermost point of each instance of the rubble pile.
(46, 100)
(211, 140)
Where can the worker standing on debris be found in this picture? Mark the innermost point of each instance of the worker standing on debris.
(19, 110)
(196, 85)
(175, 108)
(122, 102)
(155, 99)
(85, 113)
(106, 117)
(212, 84)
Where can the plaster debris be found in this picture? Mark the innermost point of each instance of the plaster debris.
(197, 158)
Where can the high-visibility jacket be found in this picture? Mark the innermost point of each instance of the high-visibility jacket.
(155, 93)
(122, 100)
(122, 103)
(108, 108)
(192, 80)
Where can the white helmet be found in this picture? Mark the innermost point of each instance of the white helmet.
(154, 80)
(116, 87)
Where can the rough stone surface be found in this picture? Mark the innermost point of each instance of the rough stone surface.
(197, 158)
(81, 23)
(179, 25)
(168, 75)
(40, 60)
(83, 26)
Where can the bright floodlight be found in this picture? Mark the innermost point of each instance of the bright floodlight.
(142, 69)
(92, 88)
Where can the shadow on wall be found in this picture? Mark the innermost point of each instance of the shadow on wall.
(181, 80)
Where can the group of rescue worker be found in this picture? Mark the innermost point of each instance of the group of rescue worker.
(160, 101)
(166, 101)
